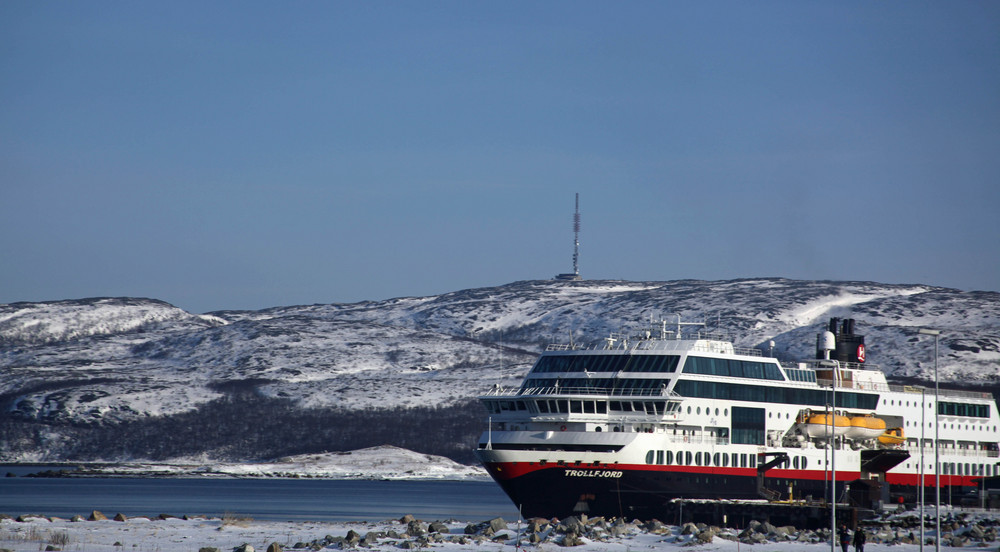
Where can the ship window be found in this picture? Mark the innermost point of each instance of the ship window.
(521, 405)
(687, 458)
(543, 407)
(649, 457)
(659, 457)
(753, 461)
(736, 458)
(772, 394)
(602, 407)
(725, 460)
(743, 461)
(588, 407)
(697, 459)
(748, 426)
(795, 462)
(715, 459)
(576, 407)
(670, 457)
(651, 363)
(563, 406)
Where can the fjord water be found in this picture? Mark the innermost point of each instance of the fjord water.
(260, 499)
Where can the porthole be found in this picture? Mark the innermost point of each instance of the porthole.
(699, 410)
(716, 411)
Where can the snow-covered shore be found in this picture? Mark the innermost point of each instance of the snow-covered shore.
(187, 535)
(384, 462)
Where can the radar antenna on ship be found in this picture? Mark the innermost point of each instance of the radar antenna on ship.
(575, 275)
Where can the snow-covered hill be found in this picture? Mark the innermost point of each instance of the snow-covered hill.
(107, 360)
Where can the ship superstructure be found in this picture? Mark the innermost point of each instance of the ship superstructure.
(625, 426)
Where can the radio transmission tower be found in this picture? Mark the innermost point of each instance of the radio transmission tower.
(575, 275)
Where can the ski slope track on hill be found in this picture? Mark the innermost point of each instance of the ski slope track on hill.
(113, 359)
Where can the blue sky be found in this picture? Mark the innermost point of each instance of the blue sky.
(241, 155)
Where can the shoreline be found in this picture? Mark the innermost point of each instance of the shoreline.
(176, 534)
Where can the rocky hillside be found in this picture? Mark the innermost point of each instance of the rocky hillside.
(72, 366)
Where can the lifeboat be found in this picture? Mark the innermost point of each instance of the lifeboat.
(892, 436)
(865, 427)
(818, 425)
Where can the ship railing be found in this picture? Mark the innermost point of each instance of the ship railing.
(696, 439)
(712, 346)
(589, 391)
(594, 391)
(957, 393)
(885, 387)
(971, 453)
(815, 364)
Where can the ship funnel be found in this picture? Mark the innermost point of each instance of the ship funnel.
(846, 346)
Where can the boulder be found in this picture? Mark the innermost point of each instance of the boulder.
(245, 547)
(274, 547)
(352, 538)
(572, 524)
(571, 540)
(208, 549)
(689, 529)
(407, 519)
(537, 525)
(96, 515)
(977, 532)
(416, 528)
(705, 536)
(497, 524)
(120, 517)
(437, 527)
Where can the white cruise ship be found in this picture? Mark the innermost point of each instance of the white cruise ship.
(624, 427)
